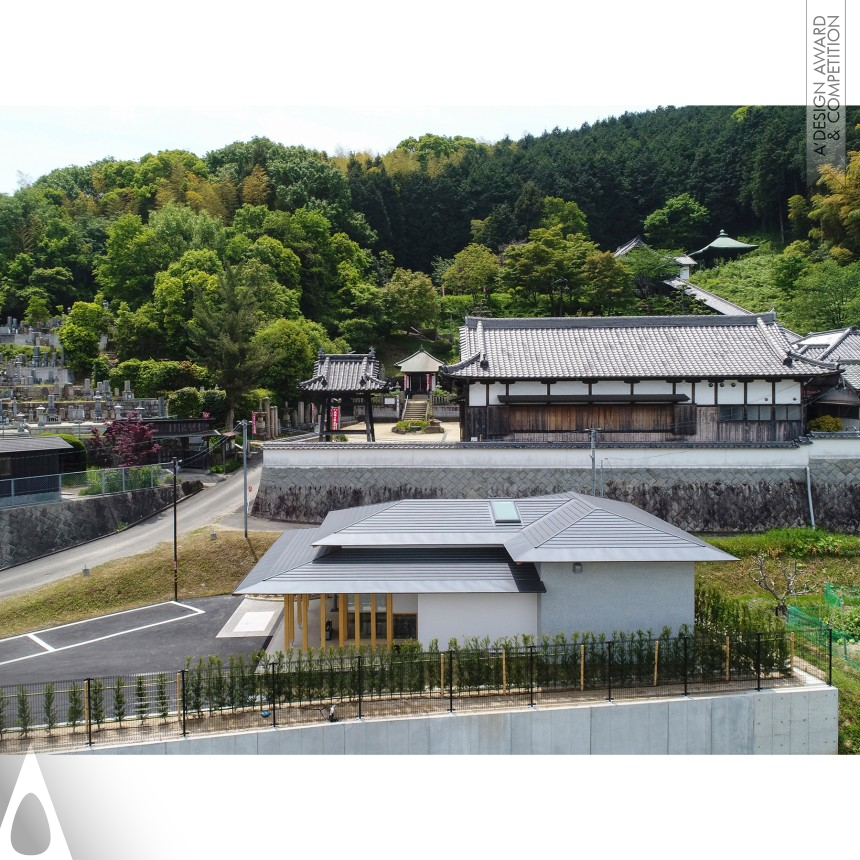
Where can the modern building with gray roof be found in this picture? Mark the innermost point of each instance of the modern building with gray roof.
(436, 569)
(686, 378)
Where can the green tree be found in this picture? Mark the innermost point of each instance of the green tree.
(97, 701)
(221, 332)
(828, 296)
(81, 331)
(49, 707)
(291, 347)
(649, 268)
(119, 700)
(185, 403)
(38, 310)
(161, 700)
(474, 271)
(75, 713)
(566, 214)
(558, 275)
(679, 223)
(411, 300)
(141, 698)
(24, 716)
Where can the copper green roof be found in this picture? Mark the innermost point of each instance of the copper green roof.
(723, 242)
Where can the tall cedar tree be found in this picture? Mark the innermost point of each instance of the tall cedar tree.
(221, 332)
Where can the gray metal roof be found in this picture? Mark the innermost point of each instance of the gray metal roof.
(586, 528)
(349, 373)
(743, 346)
(32, 444)
(410, 570)
(440, 545)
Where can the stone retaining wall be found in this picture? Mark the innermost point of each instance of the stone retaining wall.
(27, 533)
(695, 499)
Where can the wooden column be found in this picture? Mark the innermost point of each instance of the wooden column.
(322, 621)
(305, 601)
(389, 619)
(341, 619)
(288, 609)
(368, 419)
(357, 619)
(373, 620)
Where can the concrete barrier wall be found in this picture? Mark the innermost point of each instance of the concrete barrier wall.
(34, 531)
(771, 722)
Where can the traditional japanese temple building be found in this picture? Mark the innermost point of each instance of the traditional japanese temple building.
(735, 379)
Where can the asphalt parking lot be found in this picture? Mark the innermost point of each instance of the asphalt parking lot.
(151, 639)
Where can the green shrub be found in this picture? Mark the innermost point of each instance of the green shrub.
(795, 543)
(825, 424)
(123, 479)
(185, 403)
(415, 425)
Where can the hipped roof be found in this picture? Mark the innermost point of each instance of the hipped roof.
(456, 546)
(350, 373)
(745, 346)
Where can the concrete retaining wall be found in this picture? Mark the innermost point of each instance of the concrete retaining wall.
(771, 722)
(34, 531)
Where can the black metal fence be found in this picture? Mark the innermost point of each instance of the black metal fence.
(335, 684)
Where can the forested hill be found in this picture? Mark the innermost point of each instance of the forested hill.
(742, 164)
(165, 252)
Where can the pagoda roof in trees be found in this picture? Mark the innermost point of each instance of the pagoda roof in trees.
(723, 244)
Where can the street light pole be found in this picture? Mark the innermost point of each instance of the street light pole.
(245, 473)
(175, 554)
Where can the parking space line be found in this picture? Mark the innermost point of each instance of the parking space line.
(194, 609)
(40, 643)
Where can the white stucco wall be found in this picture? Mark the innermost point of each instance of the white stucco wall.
(443, 616)
(607, 597)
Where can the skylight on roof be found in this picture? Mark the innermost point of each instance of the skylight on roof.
(505, 512)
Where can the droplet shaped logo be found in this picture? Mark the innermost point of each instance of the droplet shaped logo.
(30, 827)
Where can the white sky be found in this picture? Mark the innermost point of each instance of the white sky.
(84, 80)
(95, 82)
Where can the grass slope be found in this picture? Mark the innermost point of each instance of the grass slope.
(826, 557)
(206, 568)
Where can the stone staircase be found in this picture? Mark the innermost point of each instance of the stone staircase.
(415, 409)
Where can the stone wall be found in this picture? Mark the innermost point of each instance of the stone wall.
(695, 499)
(27, 533)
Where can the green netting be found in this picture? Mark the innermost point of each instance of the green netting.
(841, 595)
(816, 629)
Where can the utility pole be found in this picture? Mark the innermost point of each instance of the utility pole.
(175, 552)
(245, 473)
(593, 433)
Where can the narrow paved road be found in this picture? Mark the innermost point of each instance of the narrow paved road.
(217, 503)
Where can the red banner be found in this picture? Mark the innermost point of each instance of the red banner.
(335, 418)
